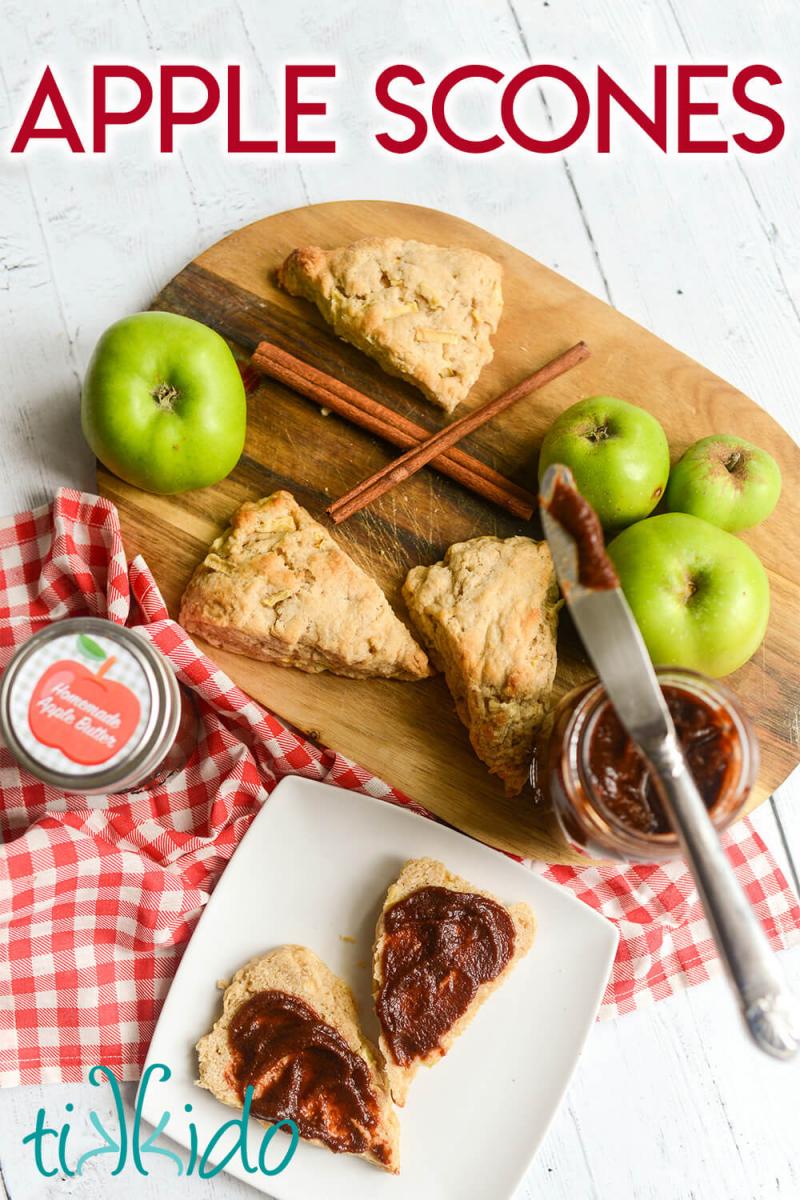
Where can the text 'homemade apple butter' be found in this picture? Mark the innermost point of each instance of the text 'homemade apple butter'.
(303, 1069)
(439, 947)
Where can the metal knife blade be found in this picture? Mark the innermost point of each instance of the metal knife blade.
(608, 630)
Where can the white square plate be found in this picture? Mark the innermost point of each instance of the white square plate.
(313, 869)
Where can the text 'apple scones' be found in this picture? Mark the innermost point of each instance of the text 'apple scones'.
(425, 313)
(277, 587)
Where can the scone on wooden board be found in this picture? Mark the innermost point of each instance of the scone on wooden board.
(487, 615)
(425, 313)
(442, 947)
(290, 1029)
(276, 586)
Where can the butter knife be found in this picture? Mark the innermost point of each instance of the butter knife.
(615, 645)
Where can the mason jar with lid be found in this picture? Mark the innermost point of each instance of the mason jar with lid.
(92, 707)
(589, 769)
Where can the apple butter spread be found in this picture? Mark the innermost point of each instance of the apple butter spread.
(576, 517)
(620, 777)
(302, 1068)
(588, 768)
(439, 947)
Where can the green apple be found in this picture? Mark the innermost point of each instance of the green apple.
(699, 595)
(618, 455)
(163, 403)
(726, 481)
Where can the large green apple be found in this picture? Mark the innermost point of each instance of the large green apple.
(699, 595)
(618, 455)
(726, 481)
(163, 403)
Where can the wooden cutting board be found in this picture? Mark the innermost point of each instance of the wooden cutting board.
(408, 733)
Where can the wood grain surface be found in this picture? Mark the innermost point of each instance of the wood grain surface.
(408, 733)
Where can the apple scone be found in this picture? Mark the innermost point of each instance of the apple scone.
(276, 586)
(425, 313)
(487, 615)
(290, 1030)
(441, 948)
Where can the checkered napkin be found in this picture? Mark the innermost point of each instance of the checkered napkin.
(97, 904)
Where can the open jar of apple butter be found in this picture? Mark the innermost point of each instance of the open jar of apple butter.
(599, 784)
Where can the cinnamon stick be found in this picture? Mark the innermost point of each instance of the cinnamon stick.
(418, 456)
(362, 410)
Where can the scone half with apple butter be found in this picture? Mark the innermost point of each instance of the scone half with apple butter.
(290, 1030)
(442, 947)
(277, 587)
(487, 615)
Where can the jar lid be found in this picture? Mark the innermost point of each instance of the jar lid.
(88, 706)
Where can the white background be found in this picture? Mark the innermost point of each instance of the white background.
(671, 1103)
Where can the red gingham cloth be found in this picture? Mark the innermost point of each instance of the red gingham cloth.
(97, 904)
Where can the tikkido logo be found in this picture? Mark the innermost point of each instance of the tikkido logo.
(126, 1144)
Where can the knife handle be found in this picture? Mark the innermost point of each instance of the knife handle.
(768, 1007)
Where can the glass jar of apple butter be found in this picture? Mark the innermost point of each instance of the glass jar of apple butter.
(600, 787)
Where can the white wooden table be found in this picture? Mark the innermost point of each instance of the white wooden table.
(668, 1104)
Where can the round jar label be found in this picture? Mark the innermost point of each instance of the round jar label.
(80, 703)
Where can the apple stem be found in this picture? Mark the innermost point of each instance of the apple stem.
(732, 463)
(165, 396)
(109, 662)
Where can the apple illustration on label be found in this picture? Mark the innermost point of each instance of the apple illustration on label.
(700, 596)
(86, 716)
(726, 481)
(618, 455)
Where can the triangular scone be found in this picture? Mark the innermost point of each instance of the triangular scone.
(442, 946)
(425, 313)
(289, 1028)
(487, 615)
(276, 586)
